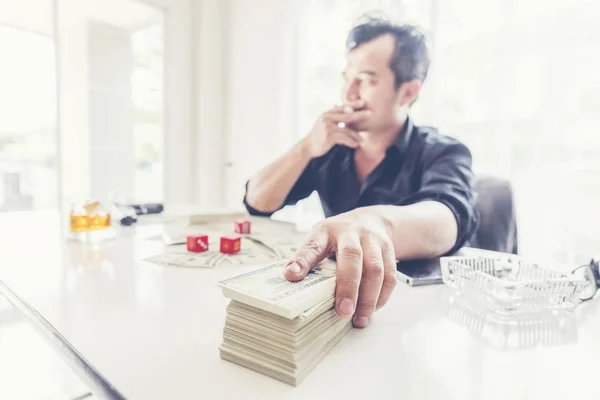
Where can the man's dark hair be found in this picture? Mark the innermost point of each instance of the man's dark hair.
(410, 59)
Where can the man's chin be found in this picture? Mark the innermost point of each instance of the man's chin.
(361, 127)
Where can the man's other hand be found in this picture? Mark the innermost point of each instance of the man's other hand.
(366, 263)
(335, 127)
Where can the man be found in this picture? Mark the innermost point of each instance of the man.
(390, 190)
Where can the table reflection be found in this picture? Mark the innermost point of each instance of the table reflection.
(512, 332)
(30, 368)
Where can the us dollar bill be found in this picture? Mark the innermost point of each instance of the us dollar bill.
(267, 289)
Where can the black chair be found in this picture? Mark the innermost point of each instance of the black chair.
(497, 229)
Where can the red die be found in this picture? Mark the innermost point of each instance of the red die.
(230, 245)
(242, 226)
(197, 243)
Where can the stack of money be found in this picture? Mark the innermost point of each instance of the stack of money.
(279, 328)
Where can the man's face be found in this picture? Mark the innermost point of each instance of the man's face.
(369, 78)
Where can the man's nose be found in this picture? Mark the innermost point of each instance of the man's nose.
(351, 92)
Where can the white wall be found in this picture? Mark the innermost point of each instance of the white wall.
(179, 95)
(211, 30)
(243, 93)
(260, 89)
(111, 111)
(72, 42)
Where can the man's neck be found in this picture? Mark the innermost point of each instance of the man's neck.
(377, 142)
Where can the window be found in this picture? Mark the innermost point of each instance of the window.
(28, 173)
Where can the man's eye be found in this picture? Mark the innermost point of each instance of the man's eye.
(366, 80)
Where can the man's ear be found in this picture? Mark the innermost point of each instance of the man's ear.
(408, 92)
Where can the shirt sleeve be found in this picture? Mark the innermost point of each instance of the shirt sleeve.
(447, 177)
(302, 188)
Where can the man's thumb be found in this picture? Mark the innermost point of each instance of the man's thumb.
(309, 255)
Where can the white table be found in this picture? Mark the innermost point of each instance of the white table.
(154, 332)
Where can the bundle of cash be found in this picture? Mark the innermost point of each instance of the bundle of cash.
(279, 328)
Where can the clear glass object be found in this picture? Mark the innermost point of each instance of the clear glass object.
(509, 284)
(591, 273)
(90, 222)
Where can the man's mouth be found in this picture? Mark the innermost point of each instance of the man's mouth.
(349, 109)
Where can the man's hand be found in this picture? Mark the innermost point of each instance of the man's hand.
(335, 127)
(366, 263)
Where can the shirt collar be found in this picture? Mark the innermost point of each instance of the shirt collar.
(403, 138)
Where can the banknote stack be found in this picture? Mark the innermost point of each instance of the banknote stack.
(278, 328)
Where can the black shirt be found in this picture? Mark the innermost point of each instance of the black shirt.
(421, 165)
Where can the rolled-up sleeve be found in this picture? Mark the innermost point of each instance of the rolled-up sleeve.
(302, 188)
(447, 177)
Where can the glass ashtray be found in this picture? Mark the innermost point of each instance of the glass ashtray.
(509, 284)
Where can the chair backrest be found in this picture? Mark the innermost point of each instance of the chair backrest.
(497, 215)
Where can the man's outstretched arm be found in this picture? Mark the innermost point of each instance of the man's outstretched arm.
(367, 242)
